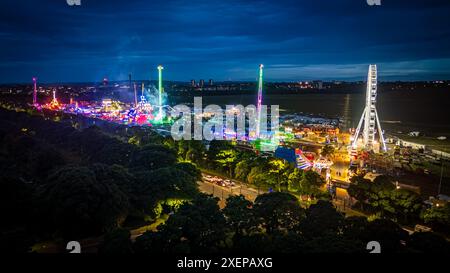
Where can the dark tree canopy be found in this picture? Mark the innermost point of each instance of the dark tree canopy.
(116, 242)
(278, 211)
(438, 217)
(80, 205)
(322, 219)
(16, 208)
(152, 157)
(197, 227)
(428, 242)
(165, 183)
(239, 214)
(190, 169)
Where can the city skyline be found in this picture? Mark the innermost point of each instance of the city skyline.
(325, 40)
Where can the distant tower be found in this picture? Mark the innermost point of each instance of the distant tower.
(370, 115)
(34, 91)
(160, 90)
(135, 96)
(193, 83)
(211, 82)
(258, 108)
(129, 81)
(202, 83)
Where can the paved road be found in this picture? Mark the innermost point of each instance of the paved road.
(339, 170)
(342, 201)
(224, 192)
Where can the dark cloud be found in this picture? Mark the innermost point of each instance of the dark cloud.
(223, 39)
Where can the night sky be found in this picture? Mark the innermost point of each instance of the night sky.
(223, 39)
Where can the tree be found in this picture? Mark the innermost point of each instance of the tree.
(152, 242)
(356, 228)
(438, 217)
(278, 211)
(384, 198)
(89, 142)
(407, 204)
(322, 219)
(327, 150)
(115, 152)
(123, 179)
(242, 170)
(115, 175)
(277, 170)
(239, 214)
(311, 183)
(163, 184)
(359, 189)
(376, 194)
(256, 176)
(182, 147)
(152, 157)
(190, 169)
(428, 242)
(44, 159)
(389, 234)
(116, 242)
(31, 157)
(16, 207)
(197, 227)
(227, 159)
(79, 205)
(383, 182)
(294, 180)
(196, 151)
(141, 136)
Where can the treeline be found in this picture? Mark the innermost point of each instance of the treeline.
(382, 199)
(61, 183)
(274, 223)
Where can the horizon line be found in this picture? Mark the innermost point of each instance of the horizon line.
(222, 81)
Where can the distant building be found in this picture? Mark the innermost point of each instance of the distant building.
(202, 83)
(211, 82)
(318, 84)
(413, 145)
(193, 83)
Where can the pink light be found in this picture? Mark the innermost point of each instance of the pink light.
(142, 119)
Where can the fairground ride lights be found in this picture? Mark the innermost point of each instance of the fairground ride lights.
(214, 127)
